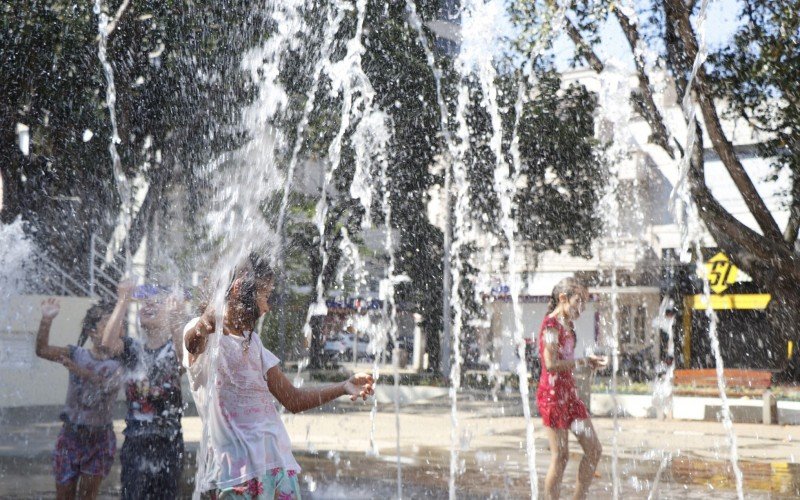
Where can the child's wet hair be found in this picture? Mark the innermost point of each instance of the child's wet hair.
(92, 317)
(255, 269)
(262, 270)
(569, 286)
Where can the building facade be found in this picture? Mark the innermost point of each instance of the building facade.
(654, 274)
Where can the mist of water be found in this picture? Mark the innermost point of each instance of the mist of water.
(349, 81)
(16, 252)
(242, 180)
(683, 204)
(104, 28)
(481, 25)
(452, 252)
(387, 285)
(616, 112)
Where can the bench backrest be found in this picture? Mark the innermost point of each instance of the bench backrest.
(735, 378)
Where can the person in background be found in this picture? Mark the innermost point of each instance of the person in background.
(557, 396)
(662, 388)
(248, 454)
(152, 453)
(86, 444)
(666, 341)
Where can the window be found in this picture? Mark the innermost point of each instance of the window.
(632, 324)
(624, 324)
(640, 324)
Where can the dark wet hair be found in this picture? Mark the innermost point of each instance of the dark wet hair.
(93, 316)
(256, 268)
(569, 286)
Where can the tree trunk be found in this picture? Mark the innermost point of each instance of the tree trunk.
(777, 271)
(9, 204)
(679, 13)
(315, 349)
(144, 217)
(783, 315)
(315, 352)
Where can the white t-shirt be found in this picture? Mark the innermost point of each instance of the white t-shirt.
(242, 430)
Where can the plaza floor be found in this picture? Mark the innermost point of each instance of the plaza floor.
(652, 459)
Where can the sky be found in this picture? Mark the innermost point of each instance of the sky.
(721, 22)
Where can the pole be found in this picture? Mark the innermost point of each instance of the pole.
(445, 348)
(91, 265)
(282, 295)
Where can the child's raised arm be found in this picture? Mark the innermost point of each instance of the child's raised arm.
(297, 400)
(112, 333)
(196, 336)
(50, 309)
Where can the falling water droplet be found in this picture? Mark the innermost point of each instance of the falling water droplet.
(156, 52)
(23, 138)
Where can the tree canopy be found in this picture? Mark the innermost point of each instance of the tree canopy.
(757, 75)
(180, 95)
(179, 92)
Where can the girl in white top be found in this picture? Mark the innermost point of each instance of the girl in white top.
(249, 453)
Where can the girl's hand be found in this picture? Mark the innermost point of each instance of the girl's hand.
(172, 304)
(208, 320)
(173, 307)
(125, 290)
(50, 308)
(359, 386)
(597, 362)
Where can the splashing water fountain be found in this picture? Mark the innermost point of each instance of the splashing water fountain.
(319, 136)
(481, 20)
(692, 238)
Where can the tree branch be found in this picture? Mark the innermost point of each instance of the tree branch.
(724, 148)
(583, 47)
(144, 216)
(660, 135)
(752, 122)
(757, 255)
(112, 24)
(793, 226)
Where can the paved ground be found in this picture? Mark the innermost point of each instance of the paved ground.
(673, 459)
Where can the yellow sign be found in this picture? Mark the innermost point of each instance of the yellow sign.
(721, 273)
(733, 301)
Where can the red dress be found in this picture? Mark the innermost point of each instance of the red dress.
(557, 396)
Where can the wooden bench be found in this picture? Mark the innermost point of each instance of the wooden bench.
(735, 379)
(751, 382)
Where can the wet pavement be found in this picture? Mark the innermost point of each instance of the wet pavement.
(656, 459)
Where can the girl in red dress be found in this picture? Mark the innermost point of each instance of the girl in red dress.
(557, 396)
